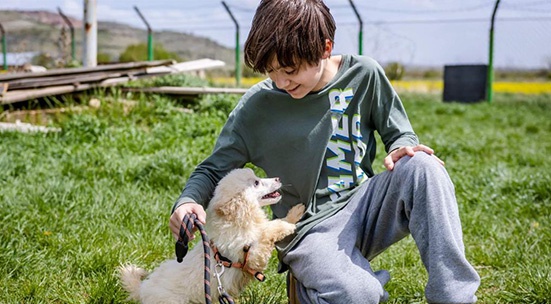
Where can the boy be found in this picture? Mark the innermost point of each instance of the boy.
(312, 124)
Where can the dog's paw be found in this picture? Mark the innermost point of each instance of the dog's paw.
(295, 214)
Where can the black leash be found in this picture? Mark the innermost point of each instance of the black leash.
(181, 248)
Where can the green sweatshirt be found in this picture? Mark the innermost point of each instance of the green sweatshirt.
(321, 146)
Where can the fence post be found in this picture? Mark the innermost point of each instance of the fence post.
(90, 58)
(490, 77)
(4, 48)
(237, 52)
(149, 35)
(360, 33)
(72, 29)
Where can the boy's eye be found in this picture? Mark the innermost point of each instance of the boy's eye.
(290, 72)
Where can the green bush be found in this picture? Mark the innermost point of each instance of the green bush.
(138, 52)
(173, 80)
(395, 70)
(103, 58)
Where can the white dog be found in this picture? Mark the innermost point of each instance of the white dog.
(235, 219)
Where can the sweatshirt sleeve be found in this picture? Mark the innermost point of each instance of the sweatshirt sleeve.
(386, 112)
(229, 153)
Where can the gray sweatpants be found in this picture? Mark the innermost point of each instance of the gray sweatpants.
(331, 263)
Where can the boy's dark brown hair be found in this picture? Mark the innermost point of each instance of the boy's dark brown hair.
(294, 31)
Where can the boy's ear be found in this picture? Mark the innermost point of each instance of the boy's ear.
(328, 49)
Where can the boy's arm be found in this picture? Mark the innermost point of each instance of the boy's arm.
(387, 113)
(229, 153)
(391, 121)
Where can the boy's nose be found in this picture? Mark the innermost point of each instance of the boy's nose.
(282, 82)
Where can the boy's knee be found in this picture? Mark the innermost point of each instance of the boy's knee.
(423, 174)
(421, 163)
(357, 290)
(422, 159)
(370, 293)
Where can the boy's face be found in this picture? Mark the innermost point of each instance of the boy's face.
(297, 81)
(305, 78)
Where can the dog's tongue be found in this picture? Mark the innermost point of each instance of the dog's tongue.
(272, 195)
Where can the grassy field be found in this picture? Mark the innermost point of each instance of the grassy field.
(529, 87)
(77, 203)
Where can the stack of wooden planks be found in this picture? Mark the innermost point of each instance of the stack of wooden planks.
(17, 87)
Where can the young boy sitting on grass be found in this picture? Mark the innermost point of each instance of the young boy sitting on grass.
(312, 124)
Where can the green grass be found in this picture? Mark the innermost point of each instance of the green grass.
(76, 204)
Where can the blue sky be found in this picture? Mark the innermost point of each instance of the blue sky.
(414, 32)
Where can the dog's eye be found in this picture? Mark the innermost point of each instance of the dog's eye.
(256, 183)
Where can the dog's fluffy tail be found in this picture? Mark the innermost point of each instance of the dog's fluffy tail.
(131, 278)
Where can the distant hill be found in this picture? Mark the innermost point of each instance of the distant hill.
(41, 31)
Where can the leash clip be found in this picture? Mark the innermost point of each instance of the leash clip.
(223, 296)
(218, 271)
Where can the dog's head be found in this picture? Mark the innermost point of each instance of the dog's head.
(242, 186)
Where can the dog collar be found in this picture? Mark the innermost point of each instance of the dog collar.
(220, 259)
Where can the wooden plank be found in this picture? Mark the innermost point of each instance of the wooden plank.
(95, 76)
(85, 70)
(26, 86)
(3, 88)
(200, 64)
(22, 95)
(146, 66)
(187, 90)
(34, 83)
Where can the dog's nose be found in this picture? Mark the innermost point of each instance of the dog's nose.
(277, 179)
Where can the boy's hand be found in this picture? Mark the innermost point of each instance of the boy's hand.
(395, 155)
(178, 215)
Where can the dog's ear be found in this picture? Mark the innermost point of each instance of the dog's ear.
(230, 207)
